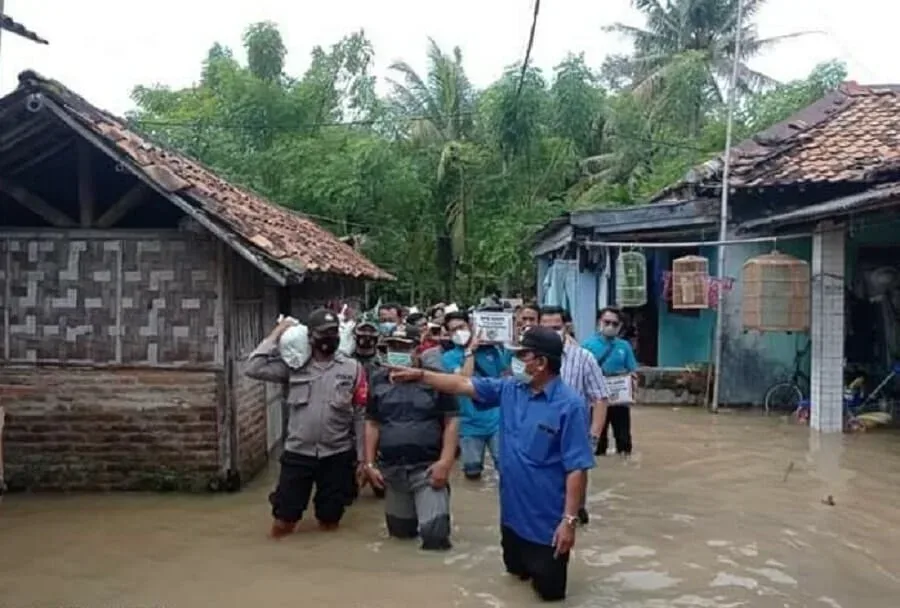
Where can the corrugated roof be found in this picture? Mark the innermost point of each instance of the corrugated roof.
(291, 240)
(850, 135)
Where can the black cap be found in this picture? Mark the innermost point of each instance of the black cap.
(366, 326)
(321, 319)
(404, 333)
(542, 341)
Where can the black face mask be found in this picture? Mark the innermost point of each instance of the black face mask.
(366, 345)
(447, 345)
(326, 345)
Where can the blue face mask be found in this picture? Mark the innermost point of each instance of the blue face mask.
(518, 371)
(398, 359)
(387, 328)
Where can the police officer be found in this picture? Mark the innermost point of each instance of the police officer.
(411, 436)
(324, 397)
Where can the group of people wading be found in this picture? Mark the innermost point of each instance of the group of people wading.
(422, 392)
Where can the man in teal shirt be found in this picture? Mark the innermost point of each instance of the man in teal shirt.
(616, 358)
(478, 429)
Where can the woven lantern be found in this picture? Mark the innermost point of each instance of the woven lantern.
(690, 283)
(631, 279)
(776, 293)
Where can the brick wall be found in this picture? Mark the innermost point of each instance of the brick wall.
(827, 331)
(252, 425)
(112, 429)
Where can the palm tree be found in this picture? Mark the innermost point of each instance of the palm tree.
(437, 110)
(686, 51)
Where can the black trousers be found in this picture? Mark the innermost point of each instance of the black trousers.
(619, 418)
(528, 560)
(334, 478)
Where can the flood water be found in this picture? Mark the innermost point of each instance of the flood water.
(720, 511)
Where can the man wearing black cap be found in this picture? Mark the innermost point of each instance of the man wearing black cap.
(545, 455)
(324, 397)
(410, 444)
(365, 350)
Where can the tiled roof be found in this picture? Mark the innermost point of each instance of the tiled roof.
(293, 241)
(850, 135)
(7, 23)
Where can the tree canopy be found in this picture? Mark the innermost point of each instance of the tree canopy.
(447, 182)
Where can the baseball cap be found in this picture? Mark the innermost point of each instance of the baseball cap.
(322, 319)
(540, 340)
(366, 326)
(404, 333)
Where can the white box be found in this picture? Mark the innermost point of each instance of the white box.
(621, 390)
(494, 327)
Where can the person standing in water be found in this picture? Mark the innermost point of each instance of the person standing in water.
(616, 358)
(365, 351)
(411, 435)
(325, 399)
(545, 454)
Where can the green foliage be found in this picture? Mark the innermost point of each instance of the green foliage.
(447, 183)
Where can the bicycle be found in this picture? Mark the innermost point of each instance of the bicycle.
(786, 396)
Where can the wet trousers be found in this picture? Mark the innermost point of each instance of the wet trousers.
(618, 417)
(472, 452)
(334, 479)
(531, 561)
(413, 508)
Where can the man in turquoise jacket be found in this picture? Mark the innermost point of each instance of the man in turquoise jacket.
(478, 429)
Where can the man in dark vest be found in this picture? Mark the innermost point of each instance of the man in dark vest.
(411, 438)
(366, 340)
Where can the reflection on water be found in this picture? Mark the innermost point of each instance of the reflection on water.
(712, 515)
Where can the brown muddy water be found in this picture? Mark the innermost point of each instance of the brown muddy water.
(709, 514)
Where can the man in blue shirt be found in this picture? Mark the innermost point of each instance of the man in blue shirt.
(545, 456)
(478, 429)
(616, 358)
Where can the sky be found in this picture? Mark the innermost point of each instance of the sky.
(101, 49)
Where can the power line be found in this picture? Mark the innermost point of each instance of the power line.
(534, 19)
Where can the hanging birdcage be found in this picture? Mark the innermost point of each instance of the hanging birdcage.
(776, 293)
(690, 283)
(631, 279)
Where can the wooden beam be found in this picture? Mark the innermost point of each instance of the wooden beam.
(37, 158)
(138, 194)
(36, 204)
(86, 192)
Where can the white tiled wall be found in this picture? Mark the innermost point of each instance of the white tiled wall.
(827, 332)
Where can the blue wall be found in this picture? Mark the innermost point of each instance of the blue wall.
(684, 339)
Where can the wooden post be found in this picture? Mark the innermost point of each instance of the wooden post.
(86, 191)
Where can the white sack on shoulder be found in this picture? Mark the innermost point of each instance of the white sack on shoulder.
(293, 345)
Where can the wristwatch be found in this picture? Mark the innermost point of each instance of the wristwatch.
(571, 520)
(371, 466)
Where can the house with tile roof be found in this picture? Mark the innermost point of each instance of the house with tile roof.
(133, 283)
(827, 181)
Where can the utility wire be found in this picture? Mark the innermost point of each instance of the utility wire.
(534, 20)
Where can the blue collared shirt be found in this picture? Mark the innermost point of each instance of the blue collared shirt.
(543, 438)
(490, 362)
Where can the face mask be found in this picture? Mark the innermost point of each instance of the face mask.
(447, 344)
(462, 337)
(519, 373)
(562, 334)
(366, 345)
(398, 359)
(387, 328)
(327, 345)
(610, 331)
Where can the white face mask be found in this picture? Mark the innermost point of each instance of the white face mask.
(610, 331)
(518, 371)
(562, 334)
(462, 337)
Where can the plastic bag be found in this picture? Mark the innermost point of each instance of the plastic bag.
(293, 345)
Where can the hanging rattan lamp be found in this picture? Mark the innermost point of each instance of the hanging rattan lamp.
(776, 293)
(631, 279)
(690, 283)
